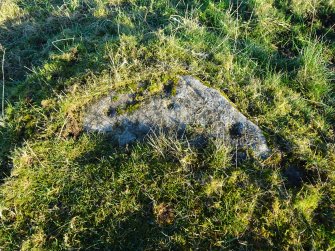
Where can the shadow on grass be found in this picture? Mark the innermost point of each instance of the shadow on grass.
(128, 200)
(28, 45)
(108, 197)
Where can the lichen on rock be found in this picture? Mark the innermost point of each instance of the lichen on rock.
(191, 103)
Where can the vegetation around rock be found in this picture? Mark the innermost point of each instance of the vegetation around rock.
(62, 188)
(192, 105)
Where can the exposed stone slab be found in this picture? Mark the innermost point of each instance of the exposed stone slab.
(193, 104)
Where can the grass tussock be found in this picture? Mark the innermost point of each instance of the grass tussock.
(62, 188)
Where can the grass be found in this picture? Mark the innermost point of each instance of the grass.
(62, 188)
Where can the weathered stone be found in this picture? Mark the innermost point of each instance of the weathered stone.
(192, 104)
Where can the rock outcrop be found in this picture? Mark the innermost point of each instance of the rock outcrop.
(190, 104)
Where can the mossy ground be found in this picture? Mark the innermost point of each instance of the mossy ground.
(62, 188)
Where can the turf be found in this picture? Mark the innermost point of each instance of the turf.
(64, 189)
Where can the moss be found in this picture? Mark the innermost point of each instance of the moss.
(132, 107)
(145, 90)
(170, 88)
(115, 98)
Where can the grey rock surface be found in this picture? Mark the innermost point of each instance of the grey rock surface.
(193, 104)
